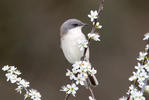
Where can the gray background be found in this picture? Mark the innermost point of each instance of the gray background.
(29, 39)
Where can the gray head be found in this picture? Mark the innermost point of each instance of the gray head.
(70, 24)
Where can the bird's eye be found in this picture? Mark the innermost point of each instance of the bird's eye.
(75, 25)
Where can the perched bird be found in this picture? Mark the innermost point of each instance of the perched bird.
(70, 34)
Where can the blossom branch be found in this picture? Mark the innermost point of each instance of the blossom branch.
(13, 75)
(94, 27)
(140, 77)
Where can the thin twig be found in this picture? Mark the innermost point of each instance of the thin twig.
(67, 96)
(100, 7)
(92, 31)
(91, 91)
(94, 27)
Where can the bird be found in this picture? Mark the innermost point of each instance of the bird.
(70, 34)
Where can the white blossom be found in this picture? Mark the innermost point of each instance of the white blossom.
(137, 95)
(146, 36)
(26, 95)
(82, 44)
(65, 89)
(80, 79)
(19, 89)
(91, 98)
(134, 77)
(81, 66)
(140, 77)
(79, 74)
(77, 65)
(93, 15)
(73, 89)
(85, 66)
(5, 68)
(147, 47)
(140, 67)
(24, 83)
(13, 76)
(75, 71)
(70, 74)
(94, 36)
(131, 89)
(12, 69)
(141, 56)
(92, 71)
(123, 98)
(35, 95)
(98, 26)
(17, 72)
(141, 83)
(70, 89)
(146, 66)
(143, 76)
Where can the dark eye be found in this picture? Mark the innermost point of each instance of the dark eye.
(75, 25)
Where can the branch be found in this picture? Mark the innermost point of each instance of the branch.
(91, 91)
(67, 96)
(93, 31)
(94, 27)
(83, 58)
(135, 83)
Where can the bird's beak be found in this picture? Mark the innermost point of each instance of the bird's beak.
(85, 24)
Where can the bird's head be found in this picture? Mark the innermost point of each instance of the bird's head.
(71, 24)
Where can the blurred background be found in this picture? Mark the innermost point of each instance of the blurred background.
(29, 39)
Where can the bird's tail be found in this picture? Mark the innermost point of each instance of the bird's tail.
(91, 81)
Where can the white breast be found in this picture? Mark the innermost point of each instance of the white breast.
(69, 45)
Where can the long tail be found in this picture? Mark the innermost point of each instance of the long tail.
(91, 81)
